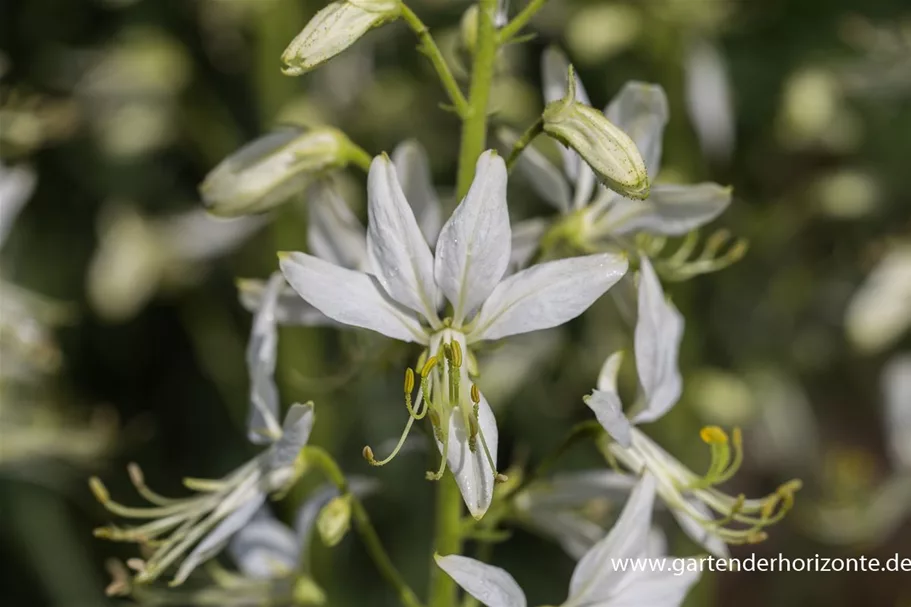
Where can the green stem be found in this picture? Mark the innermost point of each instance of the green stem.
(527, 137)
(511, 29)
(474, 124)
(359, 156)
(430, 48)
(321, 459)
(448, 539)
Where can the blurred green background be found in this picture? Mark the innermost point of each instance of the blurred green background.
(122, 106)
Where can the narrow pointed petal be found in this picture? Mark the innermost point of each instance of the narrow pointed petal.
(670, 210)
(541, 174)
(697, 532)
(709, 99)
(334, 233)
(295, 433)
(606, 404)
(216, 540)
(491, 585)
(349, 297)
(897, 393)
(595, 578)
(265, 547)
(262, 351)
(471, 469)
(413, 169)
(290, 309)
(659, 331)
(473, 249)
(399, 254)
(641, 111)
(547, 295)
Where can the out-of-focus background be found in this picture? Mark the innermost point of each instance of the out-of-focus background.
(122, 342)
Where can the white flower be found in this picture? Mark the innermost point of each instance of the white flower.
(708, 99)
(880, 312)
(604, 577)
(897, 395)
(192, 530)
(16, 187)
(595, 215)
(692, 498)
(403, 297)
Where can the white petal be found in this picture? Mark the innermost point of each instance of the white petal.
(897, 393)
(290, 309)
(708, 99)
(526, 236)
(880, 312)
(16, 187)
(221, 535)
(473, 249)
(399, 254)
(606, 404)
(349, 297)
(541, 174)
(659, 330)
(413, 169)
(547, 295)
(641, 111)
(472, 470)
(658, 588)
(334, 232)
(197, 235)
(697, 531)
(262, 351)
(265, 547)
(670, 210)
(595, 578)
(295, 433)
(491, 585)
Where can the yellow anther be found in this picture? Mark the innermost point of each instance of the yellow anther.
(757, 537)
(447, 352)
(790, 488)
(428, 366)
(475, 394)
(768, 507)
(409, 380)
(368, 455)
(99, 490)
(737, 438)
(136, 564)
(501, 478)
(456, 354)
(713, 435)
(135, 472)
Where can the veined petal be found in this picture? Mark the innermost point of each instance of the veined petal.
(665, 588)
(641, 111)
(698, 532)
(606, 404)
(295, 433)
(334, 232)
(546, 295)
(471, 469)
(659, 331)
(349, 297)
(491, 585)
(290, 309)
(526, 236)
(401, 258)
(541, 174)
(473, 249)
(413, 169)
(670, 210)
(595, 578)
(213, 543)
(265, 547)
(262, 350)
(897, 393)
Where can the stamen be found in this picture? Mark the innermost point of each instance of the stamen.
(428, 366)
(444, 456)
(368, 452)
(138, 480)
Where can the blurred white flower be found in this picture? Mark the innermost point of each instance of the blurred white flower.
(404, 295)
(708, 99)
(604, 576)
(880, 311)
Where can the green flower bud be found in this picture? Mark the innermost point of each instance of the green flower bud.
(269, 170)
(610, 152)
(306, 592)
(333, 29)
(334, 520)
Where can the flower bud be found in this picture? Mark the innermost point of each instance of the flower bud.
(334, 520)
(333, 29)
(609, 151)
(269, 170)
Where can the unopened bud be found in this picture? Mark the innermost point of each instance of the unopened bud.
(468, 28)
(334, 520)
(610, 152)
(333, 29)
(268, 171)
(306, 592)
